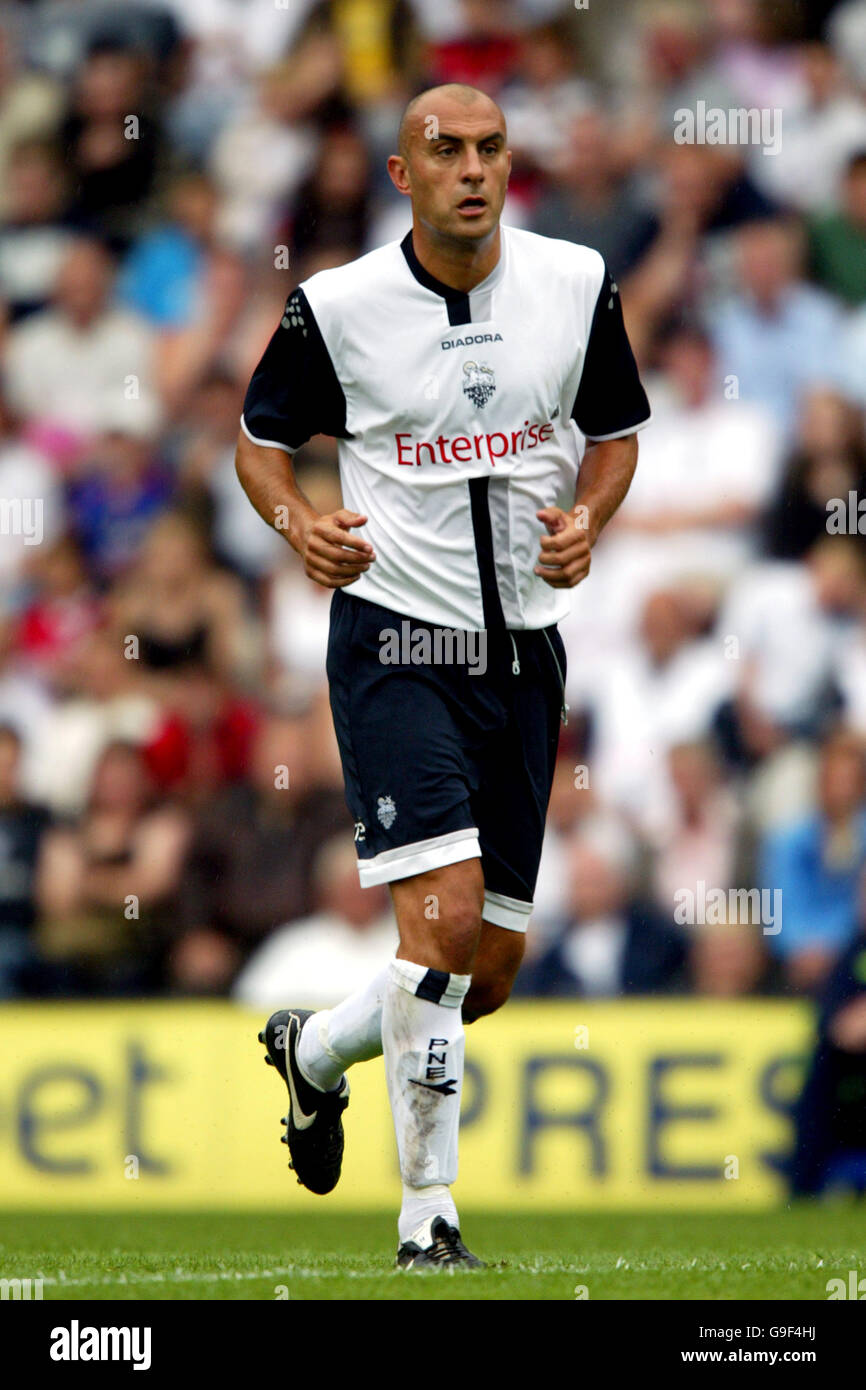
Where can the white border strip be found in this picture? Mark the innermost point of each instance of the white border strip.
(265, 443)
(510, 913)
(620, 434)
(417, 858)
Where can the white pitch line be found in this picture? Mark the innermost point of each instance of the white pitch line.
(603, 1267)
(182, 1276)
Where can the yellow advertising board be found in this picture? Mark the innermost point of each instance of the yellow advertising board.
(650, 1103)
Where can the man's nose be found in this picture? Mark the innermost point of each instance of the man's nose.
(472, 167)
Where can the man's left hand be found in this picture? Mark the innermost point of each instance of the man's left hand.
(565, 551)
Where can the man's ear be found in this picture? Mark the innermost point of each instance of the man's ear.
(399, 172)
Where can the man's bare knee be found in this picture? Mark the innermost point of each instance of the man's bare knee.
(439, 916)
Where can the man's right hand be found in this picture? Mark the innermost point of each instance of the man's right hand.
(331, 556)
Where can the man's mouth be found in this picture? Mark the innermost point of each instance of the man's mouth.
(472, 206)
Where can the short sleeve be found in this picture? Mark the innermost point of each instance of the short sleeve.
(611, 401)
(295, 391)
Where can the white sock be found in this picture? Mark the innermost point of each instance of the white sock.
(333, 1039)
(421, 1206)
(422, 1037)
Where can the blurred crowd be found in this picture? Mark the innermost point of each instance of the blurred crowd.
(171, 808)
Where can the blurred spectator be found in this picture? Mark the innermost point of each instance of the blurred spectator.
(853, 357)
(846, 32)
(81, 365)
(816, 865)
(164, 274)
(837, 239)
(379, 45)
(821, 132)
(34, 235)
(96, 699)
(60, 35)
(227, 46)
(319, 960)
(332, 205)
(24, 700)
(204, 447)
(728, 960)
(179, 605)
(22, 830)
(31, 103)
(118, 492)
(261, 155)
(543, 103)
(202, 739)
(28, 486)
(776, 336)
(828, 462)
(679, 64)
(786, 627)
(250, 864)
(105, 883)
(110, 140)
(190, 352)
(702, 196)
(590, 200)
(708, 466)
(571, 801)
(61, 612)
(697, 840)
(486, 50)
(609, 944)
(830, 1150)
(647, 697)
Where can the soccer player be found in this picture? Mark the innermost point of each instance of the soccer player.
(457, 369)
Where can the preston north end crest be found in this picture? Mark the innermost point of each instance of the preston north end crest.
(479, 383)
(387, 812)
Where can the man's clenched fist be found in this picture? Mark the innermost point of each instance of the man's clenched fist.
(565, 551)
(331, 556)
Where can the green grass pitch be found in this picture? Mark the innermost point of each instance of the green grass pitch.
(786, 1254)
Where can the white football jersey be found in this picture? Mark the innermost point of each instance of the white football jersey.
(458, 416)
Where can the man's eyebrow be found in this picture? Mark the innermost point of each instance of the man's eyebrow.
(461, 139)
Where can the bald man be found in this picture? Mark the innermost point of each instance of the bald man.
(486, 401)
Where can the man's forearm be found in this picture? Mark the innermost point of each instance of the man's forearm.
(268, 479)
(332, 556)
(605, 477)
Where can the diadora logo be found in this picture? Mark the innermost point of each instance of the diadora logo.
(471, 340)
(479, 383)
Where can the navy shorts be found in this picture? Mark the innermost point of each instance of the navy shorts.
(441, 761)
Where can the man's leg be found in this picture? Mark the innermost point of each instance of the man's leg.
(439, 919)
(335, 1039)
(499, 956)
